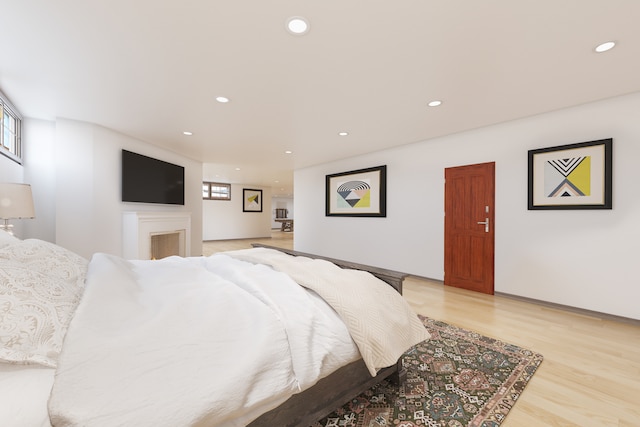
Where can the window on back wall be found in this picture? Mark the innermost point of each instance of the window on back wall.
(216, 191)
(11, 130)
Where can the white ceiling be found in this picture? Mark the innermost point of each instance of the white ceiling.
(151, 69)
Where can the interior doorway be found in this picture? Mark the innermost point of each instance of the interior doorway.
(469, 201)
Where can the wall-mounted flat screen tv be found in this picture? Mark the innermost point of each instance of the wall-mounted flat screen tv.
(148, 180)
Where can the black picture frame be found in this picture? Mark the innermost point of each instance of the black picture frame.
(251, 200)
(357, 193)
(573, 176)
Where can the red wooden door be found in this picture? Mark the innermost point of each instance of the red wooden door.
(468, 227)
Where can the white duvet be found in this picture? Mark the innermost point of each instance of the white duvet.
(217, 341)
(175, 343)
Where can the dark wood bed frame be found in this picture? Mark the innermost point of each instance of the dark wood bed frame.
(328, 394)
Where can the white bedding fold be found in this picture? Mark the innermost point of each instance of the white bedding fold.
(379, 320)
(174, 342)
(318, 339)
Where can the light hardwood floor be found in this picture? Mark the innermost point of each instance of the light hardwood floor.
(590, 375)
(281, 239)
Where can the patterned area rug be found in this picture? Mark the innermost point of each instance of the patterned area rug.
(457, 378)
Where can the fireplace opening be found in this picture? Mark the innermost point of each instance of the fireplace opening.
(167, 244)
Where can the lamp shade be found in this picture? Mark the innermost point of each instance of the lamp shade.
(16, 201)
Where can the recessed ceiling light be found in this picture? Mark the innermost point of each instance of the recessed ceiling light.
(343, 133)
(288, 152)
(222, 99)
(605, 47)
(186, 132)
(237, 169)
(435, 103)
(297, 25)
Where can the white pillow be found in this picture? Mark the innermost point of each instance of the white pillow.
(40, 288)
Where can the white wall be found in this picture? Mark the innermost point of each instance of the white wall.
(74, 169)
(224, 219)
(10, 171)
(39, 171)
(584, 258)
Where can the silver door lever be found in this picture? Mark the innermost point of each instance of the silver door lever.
(486, 224)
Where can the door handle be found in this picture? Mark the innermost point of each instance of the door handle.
(486, 224)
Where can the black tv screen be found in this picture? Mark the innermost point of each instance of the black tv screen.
(149, 180)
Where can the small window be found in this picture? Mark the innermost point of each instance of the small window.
(216, 191)
(10, 131)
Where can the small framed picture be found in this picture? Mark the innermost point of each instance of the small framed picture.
(574, 176)
(360, 193)
(251, 200)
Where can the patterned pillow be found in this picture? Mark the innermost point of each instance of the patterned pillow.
(7, 239)
(47, 258)
(40, 287)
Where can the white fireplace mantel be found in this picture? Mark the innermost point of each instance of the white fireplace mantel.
(138, 227)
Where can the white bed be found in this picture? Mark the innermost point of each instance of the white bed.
(214, 341)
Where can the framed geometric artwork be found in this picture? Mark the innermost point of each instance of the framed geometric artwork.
(251, 200)
(574, 176)
(360, 193)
